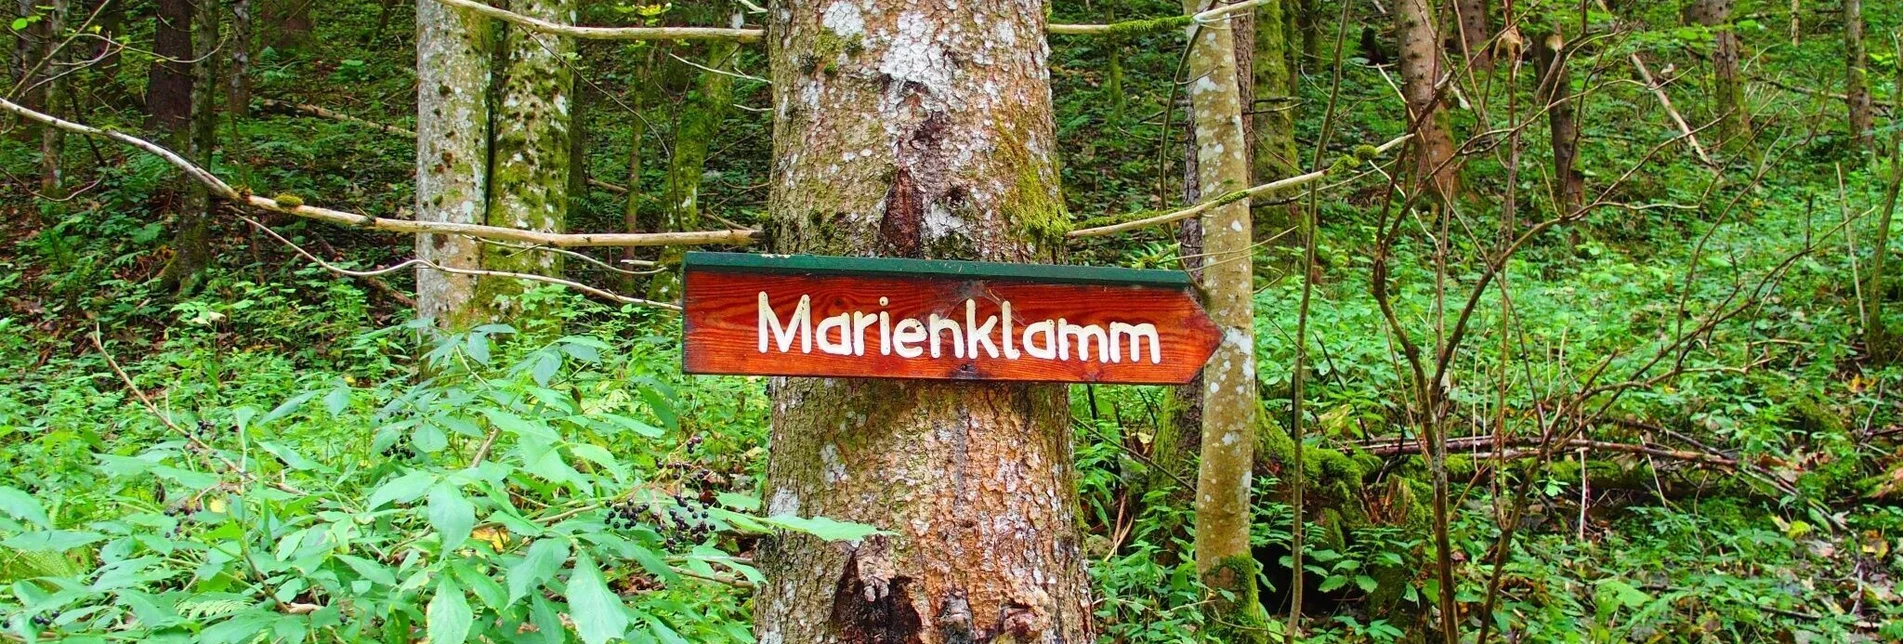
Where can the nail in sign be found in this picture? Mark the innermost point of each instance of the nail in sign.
(800, 315)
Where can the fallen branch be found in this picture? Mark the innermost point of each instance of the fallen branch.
(1658, 91)
(166, 420)
(1812, 92)
(292, 205)
(305, 109)
(1476, 445)
(1198, 209)
(607, 33)
(1126, 28)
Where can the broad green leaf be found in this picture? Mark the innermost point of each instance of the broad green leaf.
(402, 489)
(738, 501)
(540, 563)
(55, 540)
(370, 570)
(451, 514)
(291, 458)
(822, 527)
(598, 614)
(449, 617)
(287, 407)
(23, 506)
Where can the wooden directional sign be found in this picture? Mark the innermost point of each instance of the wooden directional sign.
(798, 315)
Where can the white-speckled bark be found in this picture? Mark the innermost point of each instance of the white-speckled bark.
(452, 151)
(529, 165)
(1229, 397)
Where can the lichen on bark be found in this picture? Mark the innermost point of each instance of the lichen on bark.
(452, 153)
(529, 162)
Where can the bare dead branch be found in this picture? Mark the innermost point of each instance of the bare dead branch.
(295, 206)
(1192, 211)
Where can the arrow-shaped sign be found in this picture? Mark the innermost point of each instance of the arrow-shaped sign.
(800, 315)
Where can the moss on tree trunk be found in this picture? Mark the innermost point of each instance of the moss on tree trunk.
(919, 130)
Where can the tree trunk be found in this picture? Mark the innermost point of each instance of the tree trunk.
(631, 216)
(1273, 155)
(52, 139)
(693, 136)
(1223, 557)
(1877, 337)
(452, 153)
(919, 129)
(1555, 88)
(1857, 81)
(1734, 122)
(30, 46)
(168, 88)
(191, 239)
(238, 90)
(1472, 16)
(289, 21)
(1421, 70)
(529, 161)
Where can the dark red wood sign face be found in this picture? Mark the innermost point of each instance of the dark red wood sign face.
(899, 318)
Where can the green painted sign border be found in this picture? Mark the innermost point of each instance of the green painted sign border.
(898, 267)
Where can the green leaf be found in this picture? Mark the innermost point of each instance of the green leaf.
(822, 527)
(1366, 583)
(451, 514)
(448, 614)
(288, 407)
(1330, 584)
(20, 24)
(55, 540)
(23, 506)
(402, 489)
(540, 563)
(599, 615)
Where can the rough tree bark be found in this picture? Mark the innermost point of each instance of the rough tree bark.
(1857, 79)
(693, 136)
(529, 156)
(1555, 86)
(53, 81)
(1223, 558)
(1472, 18)
(919, 129)
(1727, 83)
(168, 87)
(191, 237)
(452, 153)
(238, 78)
(1421, 69)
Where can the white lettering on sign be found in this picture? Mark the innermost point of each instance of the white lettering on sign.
(845, 334)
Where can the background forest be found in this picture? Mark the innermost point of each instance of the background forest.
(1624, 304)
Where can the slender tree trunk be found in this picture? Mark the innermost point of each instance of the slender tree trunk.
(1734, 121)
(1472, 17)
(191, 240)
(452, 153)
(112, 28)
(1857, 80)
(920, 129)
(680, 189)
(1223, 557)
(52, 139)
(1555, 87)
(1421, 70)
(1877, 336)
(631, 216)
(289, 21)
(29, 57)
(238, 78)
(168, 89)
